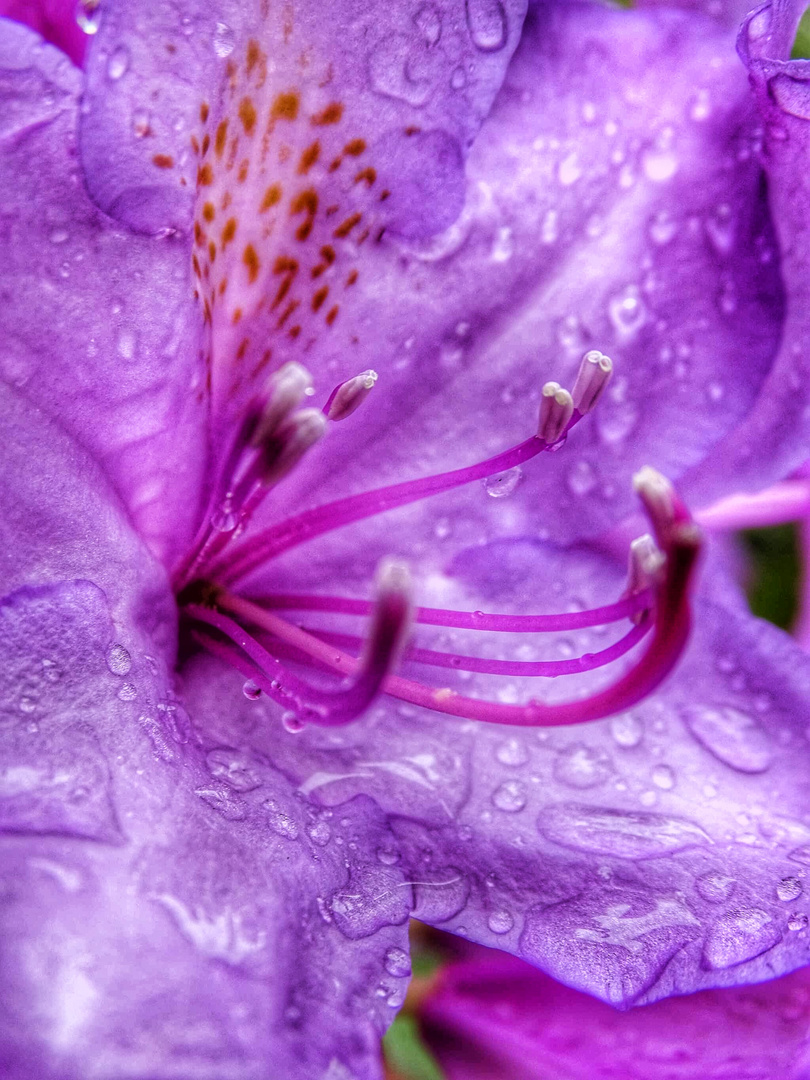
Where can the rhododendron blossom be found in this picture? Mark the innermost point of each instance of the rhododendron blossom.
(346, 353)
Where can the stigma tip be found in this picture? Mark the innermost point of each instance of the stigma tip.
(556, 409)
(592, 378)
(350, 395)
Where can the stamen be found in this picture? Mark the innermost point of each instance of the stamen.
(350, 395)
(645, 565)
(285, 390)
(283, 450)
(626, 608)
(556, 410)
(594, 373)
(661, 502)
(385, 641)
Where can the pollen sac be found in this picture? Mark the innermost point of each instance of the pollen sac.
(288, 444)
(556, 409)
(285, 390)
(350, 395)
(392, 613)
(671, 520)
(592, 378)
(645, 564)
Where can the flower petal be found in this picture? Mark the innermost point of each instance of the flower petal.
(56, 20)
(98, 325)
(493, 1015)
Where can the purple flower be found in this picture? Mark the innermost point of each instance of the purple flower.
(492, 1016)
(236, 206)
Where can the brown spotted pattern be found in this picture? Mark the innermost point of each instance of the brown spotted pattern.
(287, 199)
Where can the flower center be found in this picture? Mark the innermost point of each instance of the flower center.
(253, 635)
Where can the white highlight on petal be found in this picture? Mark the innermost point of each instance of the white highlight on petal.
(592, 378)
(556, 409)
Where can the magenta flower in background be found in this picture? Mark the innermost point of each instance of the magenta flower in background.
(492, 1016)
(236, 206)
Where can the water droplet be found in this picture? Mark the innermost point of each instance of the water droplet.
(88, 15)
(571, 335)
(700, 106)
(388, 856)
(486, 20)
(222, 802)
(627, 730)
(581, 478)
(788, 889)
(721, 228)
(502, 484)
(320, 833)
(59, 236)
(627, 311)
(659, 161)
(118, 63)
(458, 79)
(615, 832)
(502, 245)
(500, 922)
(739, 936)
(727, 297)
(126, 344)
(797, 921)
(397, 963)
(429, 22)
(27, 704)
(391, 72)
(569, 170)
(251, 691)
(549, 227)
(118, 660)
(663, 777)
(224, 519)
(281, 824)
(292, 723)
(224, 40)
(141, 123)
(662, 227)
(715, 887)
(128, 692)
(512, 752)
(235, 769)
(51, 671)
(510, 796)
(581, 767)
(732, 736)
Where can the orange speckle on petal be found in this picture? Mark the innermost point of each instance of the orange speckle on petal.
(251, 261)
(330, 115)
(247, 114)
(163, 161)
(355, 148)
(205, 176)
(294, 331)
(254, 55)
(289, 309)
(384, 195)
(195, 146)
(204, 111)
(368, 175)
(243, 344)
(237, 315)
(228, 232)
(332, 314)
(241, 176)
(285, 265)
(335, 165)
(208, 211)
(271, 197)
(328, 253)
(195, 263)
(346, 226)
(221, 138)
(308, 158)
(206, 143)
(285, 107)
(212, 250)
(350, 280)
(319, 297)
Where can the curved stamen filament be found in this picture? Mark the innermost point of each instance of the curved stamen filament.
(473, 620)
(549, 669)
(250, 554)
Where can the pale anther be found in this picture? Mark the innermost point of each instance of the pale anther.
(556, 409)
(288, 444)
(350, 395)
(591, 380)
(645, 564)
(285, 390)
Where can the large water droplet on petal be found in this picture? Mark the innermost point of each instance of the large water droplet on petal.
(732, 736)
(224, 40)
(739, 936)
(510, 796)
(118, 63)
(502, 484)
(616, 832)
(118, 660)
(486, 20)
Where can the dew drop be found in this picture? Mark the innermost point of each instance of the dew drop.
(251, 690)
(320, 833)
(502, 245)
(614, 832)
(486, 21)
(510, 796)
(224, 519)
(234, 769)
(500, 922)
(397, 963)
(581, 478)
(88, 16)
(662, 227)
(390, 72)
(429, 22)
(58, 236)
(715, 887)
(549, 227)
(732, 736)
(141, 123)
(788, 889)
(128, 692)
(721, 229)
(512, 752)
(660, 164)
(458, 78)
(224, 40)
(569, 170)
(126, 344)
(627, 730)
(502, 484)
(700, 107)
(118, 660)
(118, 63)
(292, 723)
(627, 311)
(797, 921)
(739, 936)
(51, 671)
(579, 766)
(663, 777)
(27, 704)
